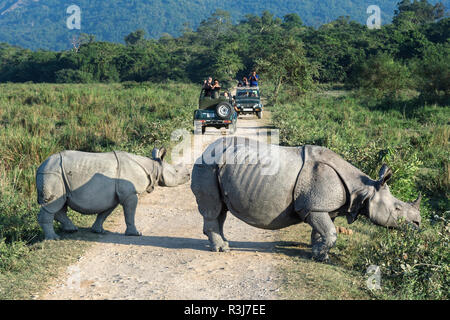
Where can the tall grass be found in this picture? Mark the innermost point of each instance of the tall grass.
(39, 120)
(414, 141)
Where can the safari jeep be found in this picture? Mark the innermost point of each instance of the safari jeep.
(217, 112)
(248, 101)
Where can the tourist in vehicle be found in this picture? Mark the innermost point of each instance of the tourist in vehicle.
(208, 87)
(254, 78)
(245, 82)
(216, 89)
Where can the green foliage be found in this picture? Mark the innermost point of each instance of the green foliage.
(10, 255)
(413, 265)
(418, 12)
(288, 64)
(382, 76)
(72, 76)
(406, 165)
(135, 38)
(433, 72)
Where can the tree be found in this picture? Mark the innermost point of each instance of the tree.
(287, 64)
(135, 37)
(291, 21)
(433, 72)
(382, 76)
(219, 24)
(226, 61)
(418, 12)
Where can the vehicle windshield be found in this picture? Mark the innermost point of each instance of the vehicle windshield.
(247, 94)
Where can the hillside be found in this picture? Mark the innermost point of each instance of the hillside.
(41, 24)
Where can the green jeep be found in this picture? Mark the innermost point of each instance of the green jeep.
(248, 101)
(215, 111)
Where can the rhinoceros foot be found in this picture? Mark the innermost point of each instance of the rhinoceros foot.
(52, 237)
(320, 255)
(133, 232)
(70, 230)
(224, 247)
(98, 230)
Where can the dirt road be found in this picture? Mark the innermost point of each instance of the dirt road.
(172, 259)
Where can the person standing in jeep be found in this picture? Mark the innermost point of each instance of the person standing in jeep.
(208, 86)
(253, 79)
(216, 89)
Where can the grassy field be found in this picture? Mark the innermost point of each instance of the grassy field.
(39, 120)
(413, 139)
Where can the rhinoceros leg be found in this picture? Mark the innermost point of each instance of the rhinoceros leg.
(210, 205)
(45, 220)
(222, 217)
(97, 227)
(323, 236)
(66, 223)
(315, 237)
(129, 210)
(213, 229)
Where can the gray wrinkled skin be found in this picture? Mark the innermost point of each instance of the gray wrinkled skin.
(96, 183)
(309, 184)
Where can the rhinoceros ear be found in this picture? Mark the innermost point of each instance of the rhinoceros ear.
(385, 175)
(155, 154)
(159, 154)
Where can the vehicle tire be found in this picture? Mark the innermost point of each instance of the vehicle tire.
(259, 114)
(224, 110)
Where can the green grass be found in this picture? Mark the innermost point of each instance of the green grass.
(413, 139)
(39, 120)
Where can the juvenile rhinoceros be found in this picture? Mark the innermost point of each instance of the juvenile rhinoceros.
(96, 183)
(273, 187)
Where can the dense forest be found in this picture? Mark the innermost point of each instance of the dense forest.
(411, 52)
(41, 24)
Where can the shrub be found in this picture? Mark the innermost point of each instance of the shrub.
(433, 72)
(73, 76)
(381, 76)
(413, 265)
(10, 254)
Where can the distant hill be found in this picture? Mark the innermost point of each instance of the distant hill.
(38, 24)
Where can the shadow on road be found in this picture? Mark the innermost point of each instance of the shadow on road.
(287, 248)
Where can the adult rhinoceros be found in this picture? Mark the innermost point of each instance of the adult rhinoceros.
(96, 183)
(273, 187)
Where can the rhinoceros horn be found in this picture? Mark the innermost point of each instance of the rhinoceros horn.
(416, 204)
